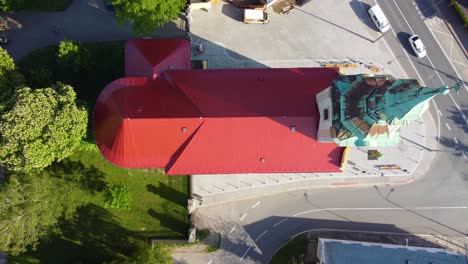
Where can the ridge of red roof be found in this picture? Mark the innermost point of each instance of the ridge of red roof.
(216, 121)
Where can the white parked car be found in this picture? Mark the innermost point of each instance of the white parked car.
(417, 46)
(379, 18)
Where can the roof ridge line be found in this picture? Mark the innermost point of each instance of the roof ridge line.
(174, 84)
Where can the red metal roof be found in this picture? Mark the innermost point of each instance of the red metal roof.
(216, 121)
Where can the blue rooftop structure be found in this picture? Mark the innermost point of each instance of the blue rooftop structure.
(332, 251)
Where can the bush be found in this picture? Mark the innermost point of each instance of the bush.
(202, 234)
(117, 197)
(460, 12)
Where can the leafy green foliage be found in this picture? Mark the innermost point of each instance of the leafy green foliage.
(460, 12)
(6, 62)
(202, 234)
(158, 254)
(72, 55)
(29, 209)
(147, 15)
(7, 78)
(117, 196)
(35, 5)
(43, 126)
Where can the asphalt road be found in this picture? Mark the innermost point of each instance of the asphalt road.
(434, 204)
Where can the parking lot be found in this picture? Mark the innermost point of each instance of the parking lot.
(332, 29)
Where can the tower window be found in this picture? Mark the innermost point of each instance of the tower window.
(326, 114)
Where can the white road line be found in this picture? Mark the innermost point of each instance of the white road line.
(455, 139)
(464, 155)
(380, 209)
(247, 251)
(275, 225)
(232, 230)
(448, 127)
(255, 205)
(461, 63)
(260, 236)
(438, 122)
(209, 262)
(440, 113)
(243, 216)
(445, 53)
(436, 71)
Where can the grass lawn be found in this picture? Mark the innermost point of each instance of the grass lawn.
(291, 252)
(97, 234)
(41, 5)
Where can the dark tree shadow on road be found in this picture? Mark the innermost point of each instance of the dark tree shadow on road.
(360, 9)
(458, 117)
(458, 148)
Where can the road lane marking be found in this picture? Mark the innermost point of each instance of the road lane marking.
(380, 209)
(438, 121)
(260, 236)
(448, 127)
(243, 216)
(436, 71)
(275, 225)
(443, 50)
(255, 205)
(232, 230)
(440, 113)
(209, 262)
(464, 155)
(455, 139)
(247, 251)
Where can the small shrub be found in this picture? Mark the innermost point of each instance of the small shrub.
(117, 196)
(202, 234)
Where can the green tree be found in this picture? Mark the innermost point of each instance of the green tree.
(30, 208)
(73, 54)
(147, 15)
(157, 254)
(42, 126)
(5, 5)
(9, 79)
(6, 62)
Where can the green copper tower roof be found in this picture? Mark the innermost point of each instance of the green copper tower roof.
(368, 111)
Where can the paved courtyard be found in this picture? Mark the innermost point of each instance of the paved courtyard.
(302, 37)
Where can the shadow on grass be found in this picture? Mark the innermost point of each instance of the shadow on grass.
(167, 220)
(90, 179)
(168, 193)
(93, 236)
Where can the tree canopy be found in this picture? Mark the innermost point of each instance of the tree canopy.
(147, 15)
(30, 208)
(9, 79)
(42, 126)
